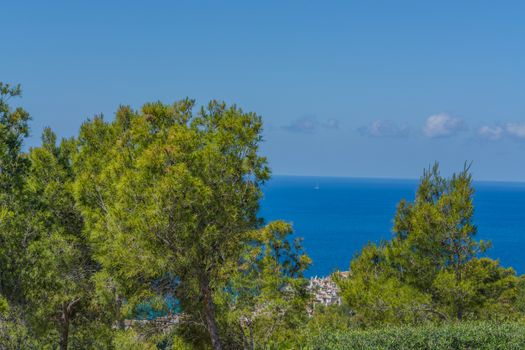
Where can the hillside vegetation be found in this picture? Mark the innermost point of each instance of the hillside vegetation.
(461, 336)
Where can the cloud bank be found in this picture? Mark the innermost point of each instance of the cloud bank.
(442, 125)
(495, 133)
(516, 130)
(492, 133)
(309, 125)
(384, 128)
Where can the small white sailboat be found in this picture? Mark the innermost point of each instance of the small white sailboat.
(316, 186)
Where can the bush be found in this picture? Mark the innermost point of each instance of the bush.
(461, 336)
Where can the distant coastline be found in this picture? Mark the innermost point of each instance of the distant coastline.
(516, 183)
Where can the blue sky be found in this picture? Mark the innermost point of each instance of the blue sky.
(346, 88)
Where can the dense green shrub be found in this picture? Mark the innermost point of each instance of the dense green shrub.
(461, 336)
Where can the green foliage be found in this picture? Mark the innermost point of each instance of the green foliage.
(265, 301)
(130, 340)
(170, 200)
(46, 260)
(13, 129)
(325, 319)
(13, 169)
(436, 231)
(430, 269)
(14, 166)
(157, 203)
(461, 336)
(377, 295)
(57, 260)
(487, 291)
(14, 333)
(520, 295)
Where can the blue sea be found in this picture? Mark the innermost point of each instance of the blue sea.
(338, 216)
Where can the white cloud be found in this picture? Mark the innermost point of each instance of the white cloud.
(303, 125)
(331, 124)
(491, 133)
(310, 125)
(442, 125)
(384, 128)
(516, 130)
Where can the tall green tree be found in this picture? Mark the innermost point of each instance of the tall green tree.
(436, 233)
(58, 266)
(437, 229)
(13, 169)
(171, 198)
(14, 330)
(46, 265)
(432, 264)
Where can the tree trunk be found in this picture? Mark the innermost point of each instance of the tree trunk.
(459, 298)
(67, 313)
(209, 312)
(64, 332)
(252, 342)
(460, 312)
(121, 324)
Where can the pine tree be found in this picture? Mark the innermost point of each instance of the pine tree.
(171, 198)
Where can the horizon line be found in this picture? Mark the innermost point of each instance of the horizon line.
(521, 182)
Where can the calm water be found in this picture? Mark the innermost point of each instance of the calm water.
(338, 216)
